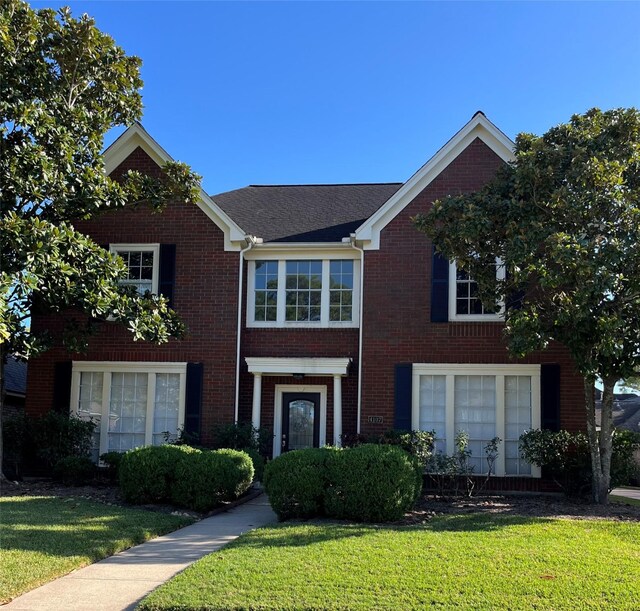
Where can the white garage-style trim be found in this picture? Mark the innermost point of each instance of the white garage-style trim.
(337, 368)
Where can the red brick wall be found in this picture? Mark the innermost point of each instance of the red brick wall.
(205, 297)
(397, 289)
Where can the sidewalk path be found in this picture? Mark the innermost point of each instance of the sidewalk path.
(630, 493)
(119, 582)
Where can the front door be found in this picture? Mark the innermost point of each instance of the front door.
(300, 420)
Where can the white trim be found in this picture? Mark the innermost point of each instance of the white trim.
(154, 248)
(109, 367)
(324, 322)
(479, 127)
(289, 366)
(136, 136)
(454, 316)
(277, 412)
(450, 370)
(277, 250)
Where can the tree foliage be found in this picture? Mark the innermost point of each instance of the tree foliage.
(564, 218)
(63, 85)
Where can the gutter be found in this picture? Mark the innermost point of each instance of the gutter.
(251, 241)
(352, 243)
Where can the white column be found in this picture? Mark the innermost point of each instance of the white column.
(337, 410)
(257, 394)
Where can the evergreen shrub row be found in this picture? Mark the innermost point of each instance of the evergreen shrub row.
(186, 476)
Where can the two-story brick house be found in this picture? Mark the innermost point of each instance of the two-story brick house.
(312, 310)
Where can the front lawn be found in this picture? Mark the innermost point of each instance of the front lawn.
(44, 537)
(471, 561)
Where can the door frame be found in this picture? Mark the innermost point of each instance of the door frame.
(277, 412)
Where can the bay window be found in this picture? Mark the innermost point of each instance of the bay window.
(485, 401)
(132, 404)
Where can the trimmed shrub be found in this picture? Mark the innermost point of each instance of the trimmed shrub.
(147, 474)
(74, 470)
(205, 479)
(55, 436)
(112, 460)
(258, 463)
(296, 482)
(565, 457)
(240, 436)
(372, 483)
(418, 443)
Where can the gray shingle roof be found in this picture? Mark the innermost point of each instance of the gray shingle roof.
(15, 373)
(304, 213)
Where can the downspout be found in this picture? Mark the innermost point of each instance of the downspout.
(251, 241)
(360, 317)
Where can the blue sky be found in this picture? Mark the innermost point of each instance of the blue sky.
(280, 93)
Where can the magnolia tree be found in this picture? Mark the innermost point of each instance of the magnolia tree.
(564, 218)
(63, 85)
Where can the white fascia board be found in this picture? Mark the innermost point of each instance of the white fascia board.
(306, 366)
(306, 250)
(136, 136)
(368, 234)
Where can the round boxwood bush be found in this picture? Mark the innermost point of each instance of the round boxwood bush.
(74, 470)
(296, 482)
(372, 483)
(205, 479)
(147, 474)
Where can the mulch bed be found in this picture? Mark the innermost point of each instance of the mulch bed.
(427, 507)
(542, 506)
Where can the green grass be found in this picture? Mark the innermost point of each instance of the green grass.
(624, 500)
(44, 537)
(455, 562)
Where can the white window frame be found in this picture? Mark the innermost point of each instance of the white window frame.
(154, 248)
(109, 367)
(499, 371)
(453, 315)
(324, 321)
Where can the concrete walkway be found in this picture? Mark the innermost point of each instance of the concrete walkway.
(119, 582)
(630, 493)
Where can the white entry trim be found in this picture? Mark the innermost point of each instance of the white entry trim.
(289, 366)
(277, 412)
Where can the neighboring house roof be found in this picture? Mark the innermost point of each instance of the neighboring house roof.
(136, 136)
(626, 411)
(304, 213)
(15, 376)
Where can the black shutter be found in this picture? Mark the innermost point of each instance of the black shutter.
(167, 274)
(62, 387)
(513, 301)
(402, 395)
(439, 288)
(550, 396)
(193, 399)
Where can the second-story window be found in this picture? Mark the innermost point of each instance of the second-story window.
(303, 292)
(464, 302)
(141, 261)
(266, 290)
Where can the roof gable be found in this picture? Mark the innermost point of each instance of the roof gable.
(137, 137)
(479, 127)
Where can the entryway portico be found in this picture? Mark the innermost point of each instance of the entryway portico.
(306, 403)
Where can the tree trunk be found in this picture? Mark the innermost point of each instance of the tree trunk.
(2, 356)
(600, 442)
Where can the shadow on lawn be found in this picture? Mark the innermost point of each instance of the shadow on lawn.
(75, 527)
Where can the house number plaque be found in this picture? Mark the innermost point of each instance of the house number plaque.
(375, 419)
